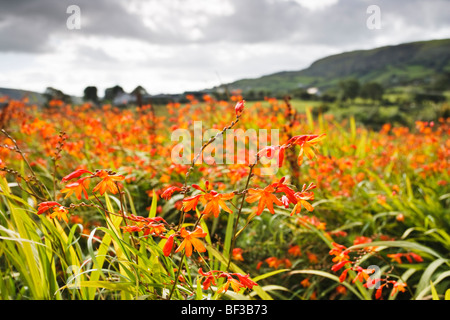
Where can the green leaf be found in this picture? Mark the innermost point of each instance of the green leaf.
(428, 273)
(269, 274)
(447, 294)
(329, 276)
(397, 244)
(441, 277)
(434, 293)
(154, 206)
(119, 286)
(199, 295)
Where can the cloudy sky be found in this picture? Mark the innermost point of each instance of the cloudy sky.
(172, 46)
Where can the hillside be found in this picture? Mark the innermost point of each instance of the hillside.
(18, 94)
(404, 64)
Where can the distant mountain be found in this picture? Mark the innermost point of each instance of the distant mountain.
(33, 97)
(18, 94)
(404, 64)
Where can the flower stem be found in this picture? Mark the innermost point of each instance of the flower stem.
(233, 241)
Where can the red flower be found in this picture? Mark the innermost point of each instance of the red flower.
(416, 257)
(210, 278)
(280, 186)
(45, 206)
(167, 194)
(295, 251)
(246, 281)
(75, 174)
(343, 275)
(339, 265)
(167, 249)
(239, 107)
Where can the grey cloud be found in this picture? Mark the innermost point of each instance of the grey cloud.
(27, 25)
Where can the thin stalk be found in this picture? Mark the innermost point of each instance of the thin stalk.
(181, 260)
(233, 241)
(19, 151)
(191, 168)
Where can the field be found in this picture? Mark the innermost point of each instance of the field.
(95, 207)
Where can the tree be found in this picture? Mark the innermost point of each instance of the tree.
(56, 94)
(139, 92)
(349, 89)
(111, 93)
(90, 94)
(372, 90)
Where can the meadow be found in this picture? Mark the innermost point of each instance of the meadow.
(93, 207)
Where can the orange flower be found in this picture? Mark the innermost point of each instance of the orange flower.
(190, 240)
(398, 287)
(409, 256)
(361, 240)
(307, 145)
(295, 251)
(287, 262)
(341, 290)
(339, 265)
(397, 257)
(363, 274)
(340, 252)
(108, 183)
(60, 213)
(265, 197)
(214, 201)
(415, 257)
(78, 187)
(167, 249)
(167, 194)
(305, 283)
(312, 257)
(45, 206)
(273, 262)
(148, 228)
(190, 203)
(237, 254)
(302, 199)
(400, 217)
(258, 266)
(235, 285)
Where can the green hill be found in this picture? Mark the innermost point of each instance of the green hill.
(18, 94)
(416, 63)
